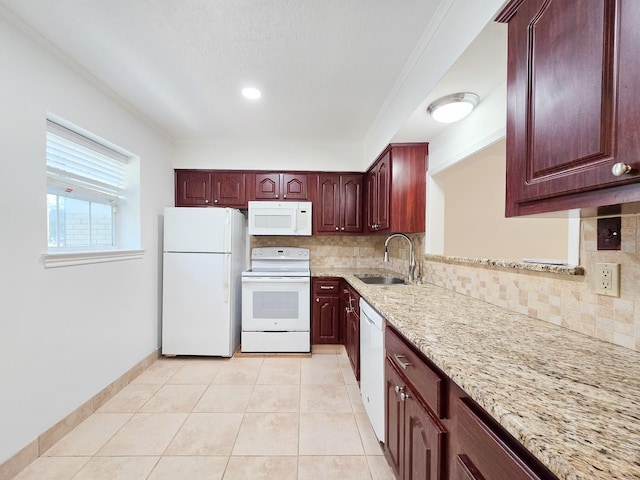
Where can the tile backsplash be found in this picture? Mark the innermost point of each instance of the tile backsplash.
(565, 300)
(350, 251)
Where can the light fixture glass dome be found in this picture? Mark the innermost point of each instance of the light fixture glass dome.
(251, 93)
(453, 107)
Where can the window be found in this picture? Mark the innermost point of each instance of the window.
(85, 185)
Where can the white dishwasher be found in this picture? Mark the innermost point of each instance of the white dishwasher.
(372, 366)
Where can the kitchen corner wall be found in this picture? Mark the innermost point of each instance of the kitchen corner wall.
(567, 301)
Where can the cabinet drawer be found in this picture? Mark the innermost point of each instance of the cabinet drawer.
(324, 286)
(427, 383)
(482, 454)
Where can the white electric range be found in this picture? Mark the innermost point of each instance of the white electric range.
(276, 301)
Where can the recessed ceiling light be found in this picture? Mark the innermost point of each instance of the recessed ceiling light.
(453, 107)
(251, 93)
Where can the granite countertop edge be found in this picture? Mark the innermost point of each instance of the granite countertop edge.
(570, 399)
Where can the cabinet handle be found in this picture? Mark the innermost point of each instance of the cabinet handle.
(344, 290)
(277, 196)
(342, 229)
(326, 287)
(402, 363)
(284, 196)
(404, 396)
(215, 201)
(398, 389)
(317, 300)
(206, 201)
(620, 169)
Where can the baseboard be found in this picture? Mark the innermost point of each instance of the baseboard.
(14, 465)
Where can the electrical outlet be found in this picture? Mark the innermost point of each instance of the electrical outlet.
(608, 279)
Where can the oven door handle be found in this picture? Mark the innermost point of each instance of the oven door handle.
(276, 279)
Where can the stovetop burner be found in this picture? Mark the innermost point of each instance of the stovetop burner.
(279, 261)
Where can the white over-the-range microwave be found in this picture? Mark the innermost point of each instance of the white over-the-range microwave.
(280, 218)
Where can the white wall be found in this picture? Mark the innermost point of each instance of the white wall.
(290, 156)
(475, 225)
(66, 333)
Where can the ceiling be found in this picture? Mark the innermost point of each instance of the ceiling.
(325, 68)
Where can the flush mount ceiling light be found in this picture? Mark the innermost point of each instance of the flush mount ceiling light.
(251, 93)
(453, 107)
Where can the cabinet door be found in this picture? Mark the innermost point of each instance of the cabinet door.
(423, 442)
(294, 186)
(350, 203)
(372, 200)
(267, 186)
(229, 189)
(379, 193)
(354, 352)
(383, 191)
(193, 188)
(351, 305)
(572, 109)
(327, 208)
(394, 419)
(326, 311)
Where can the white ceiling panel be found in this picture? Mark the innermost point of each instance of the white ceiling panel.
(324, 67)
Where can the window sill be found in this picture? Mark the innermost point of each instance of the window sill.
(67, 259)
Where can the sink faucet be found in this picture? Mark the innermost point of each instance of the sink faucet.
(412, 259)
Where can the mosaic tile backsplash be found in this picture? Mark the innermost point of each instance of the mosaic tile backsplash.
(564, 300)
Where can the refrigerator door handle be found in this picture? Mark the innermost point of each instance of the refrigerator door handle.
(227, 275)
(227, 230)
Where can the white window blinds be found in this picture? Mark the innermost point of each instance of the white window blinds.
(80, 167)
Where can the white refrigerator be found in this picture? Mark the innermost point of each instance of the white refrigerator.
(204, 255)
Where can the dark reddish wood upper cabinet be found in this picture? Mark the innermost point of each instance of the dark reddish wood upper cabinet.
(229, 189)
(193, 188)
(202, 188)
(338, 205)
(281, 186)
(396, 189)
(572, 104)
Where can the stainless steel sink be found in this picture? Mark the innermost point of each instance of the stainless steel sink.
(381, 280)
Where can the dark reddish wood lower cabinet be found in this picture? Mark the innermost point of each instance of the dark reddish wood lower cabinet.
(465, 469)
(325, 311)
(460, 442)
(481, 454)
(423, 442)
(394, 419)
(350, 323)
(414, 437)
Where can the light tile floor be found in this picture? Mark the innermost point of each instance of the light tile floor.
(271, 418)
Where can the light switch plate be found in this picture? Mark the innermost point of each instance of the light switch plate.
(608, 279)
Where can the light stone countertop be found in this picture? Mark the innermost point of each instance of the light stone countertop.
(572, 400)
